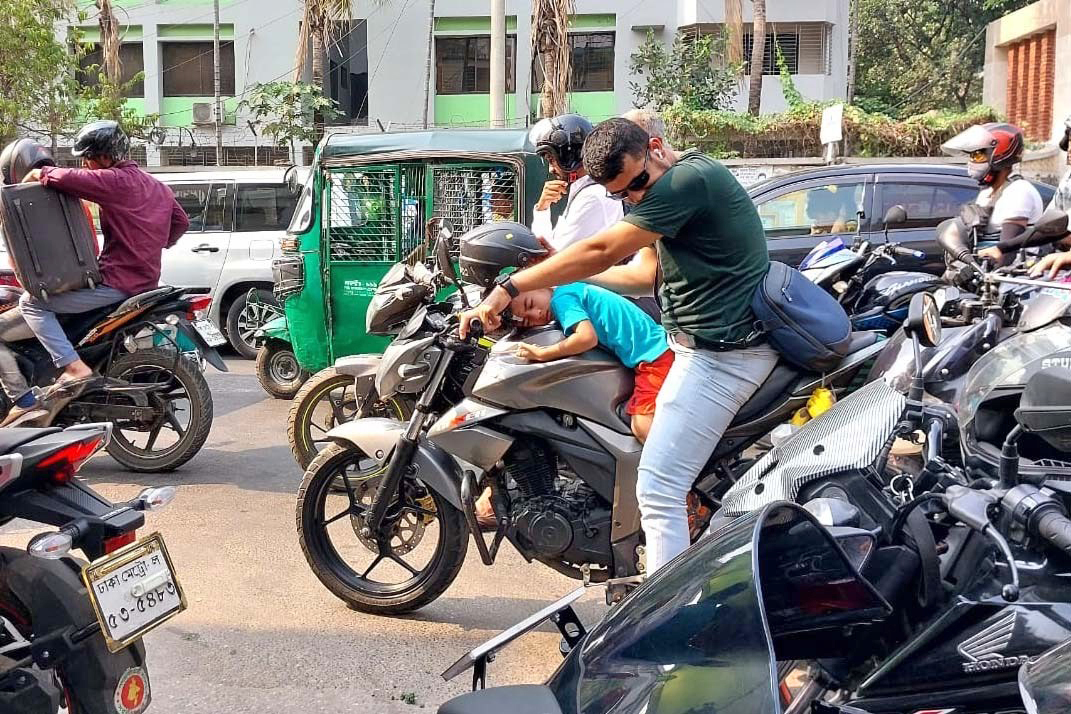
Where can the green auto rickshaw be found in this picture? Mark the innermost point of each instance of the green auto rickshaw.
(365, 207)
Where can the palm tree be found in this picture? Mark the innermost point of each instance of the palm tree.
(550, 41)
(734, 32)
(427, 66)
(323, 23)
(758, 52)
(109, 42)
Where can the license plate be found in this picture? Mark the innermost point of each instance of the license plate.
(209, 332)
(133, 591)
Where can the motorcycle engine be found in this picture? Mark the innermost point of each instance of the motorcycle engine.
(556, 516)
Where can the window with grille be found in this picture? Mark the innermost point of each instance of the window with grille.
(363, 216)
(463, 64)
(593, 63)
(805, 47)
(188, 68)
(471, 196)
(91, 64)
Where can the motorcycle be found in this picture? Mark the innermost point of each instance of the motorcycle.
(551, 440)
(71, 631)
(147, 381)
(922, 596)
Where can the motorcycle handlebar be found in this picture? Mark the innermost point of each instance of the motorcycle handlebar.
(907, 252)
(1055, 527)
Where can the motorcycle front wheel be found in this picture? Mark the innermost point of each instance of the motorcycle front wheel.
(427, 544)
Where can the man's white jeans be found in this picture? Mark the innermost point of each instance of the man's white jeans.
(702, 393)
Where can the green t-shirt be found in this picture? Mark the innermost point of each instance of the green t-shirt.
(712, 251)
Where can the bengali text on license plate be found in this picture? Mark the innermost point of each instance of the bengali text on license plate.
(133, 591)
(209, 332)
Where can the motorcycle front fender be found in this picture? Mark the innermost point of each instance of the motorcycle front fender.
(274, 329)
(376, 436)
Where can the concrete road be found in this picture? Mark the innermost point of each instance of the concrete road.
(261, 634)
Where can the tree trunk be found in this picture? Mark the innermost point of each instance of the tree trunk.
(734, 32)
(427, 66)
(758, 53)
(318, 51)
(853, 46)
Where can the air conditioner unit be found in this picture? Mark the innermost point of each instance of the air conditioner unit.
(202, 113)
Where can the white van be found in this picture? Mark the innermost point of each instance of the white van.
(238, 217)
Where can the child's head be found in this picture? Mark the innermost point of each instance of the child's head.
(532, 308)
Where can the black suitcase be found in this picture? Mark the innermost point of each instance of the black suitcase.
(51, 244)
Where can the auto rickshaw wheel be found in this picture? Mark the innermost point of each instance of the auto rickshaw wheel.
(278, 370)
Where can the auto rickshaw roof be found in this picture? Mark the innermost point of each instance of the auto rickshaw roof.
(463, 141)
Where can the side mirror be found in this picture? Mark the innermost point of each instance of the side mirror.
(290, 178)
(1045, 407)
(895, 216)
(924, 320)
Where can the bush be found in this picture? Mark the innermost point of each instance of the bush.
(794, 133)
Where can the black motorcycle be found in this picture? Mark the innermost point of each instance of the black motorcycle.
(70, 631)
(148, 353)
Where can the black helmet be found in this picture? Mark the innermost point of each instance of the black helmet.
(562, 137)
(22, 156)
(104, 138)
(489, 249)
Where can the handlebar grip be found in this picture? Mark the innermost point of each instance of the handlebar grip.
(907, 252)
(476, 328)
(1055, 527)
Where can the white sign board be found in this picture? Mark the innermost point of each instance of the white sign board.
(832, 121)
(749, 175)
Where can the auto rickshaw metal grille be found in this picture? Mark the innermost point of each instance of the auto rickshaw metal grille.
(362, 220)
(469, 196)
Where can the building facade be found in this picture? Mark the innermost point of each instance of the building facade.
(376, 71)
(1028, 68)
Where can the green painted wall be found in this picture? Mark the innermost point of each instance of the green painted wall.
(471, 109)
(178, 111)
(446, 25)
(91, 33)
(592, 22)
(193, 31)
(596, 106)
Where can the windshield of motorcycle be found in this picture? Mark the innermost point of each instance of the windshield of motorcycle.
(825, 249)
(700, 634)
(1009, 364)
(1045, 682)
(947, 361)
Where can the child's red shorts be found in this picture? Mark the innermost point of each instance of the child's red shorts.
(649, 379)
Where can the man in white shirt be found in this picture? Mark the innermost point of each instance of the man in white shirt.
(588, 209)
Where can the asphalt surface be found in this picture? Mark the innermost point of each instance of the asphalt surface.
(261, 633)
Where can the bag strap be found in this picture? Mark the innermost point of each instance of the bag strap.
(930, 583)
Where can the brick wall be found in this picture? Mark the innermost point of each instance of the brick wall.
(1031, 80)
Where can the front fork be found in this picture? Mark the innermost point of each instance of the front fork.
(401, 458)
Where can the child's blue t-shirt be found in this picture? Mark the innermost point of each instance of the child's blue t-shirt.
(620, 325)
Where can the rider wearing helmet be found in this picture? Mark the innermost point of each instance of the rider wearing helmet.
(139, 217)
(587, 209)
(993, 154)
(1061, 200)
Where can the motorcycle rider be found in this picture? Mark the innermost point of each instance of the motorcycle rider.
(1053, 263)
(587, 209)
(139, 217)
(712, 248)
(1009, 203)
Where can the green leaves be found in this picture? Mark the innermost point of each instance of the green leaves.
(690, 73)
(284, 110)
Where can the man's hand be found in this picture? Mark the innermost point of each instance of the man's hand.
(488, 312)
(1052, 263)
(551, 250)
(32, 177)
(992, 253)
(533, 353)
(553, 190)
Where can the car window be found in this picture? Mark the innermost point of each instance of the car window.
(264, 207)
(218, 214)
(193, 197)
(815, 210)
(926, 204)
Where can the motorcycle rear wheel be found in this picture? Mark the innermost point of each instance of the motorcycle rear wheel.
(419, 509)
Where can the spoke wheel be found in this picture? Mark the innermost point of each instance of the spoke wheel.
(324, 402)
(244, 318)
(413, 561)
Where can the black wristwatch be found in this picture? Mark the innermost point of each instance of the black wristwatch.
(506, 283)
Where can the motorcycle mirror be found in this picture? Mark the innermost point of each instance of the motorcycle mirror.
(895, 216)
(1045, 407)
(445, 263)
(924, 320)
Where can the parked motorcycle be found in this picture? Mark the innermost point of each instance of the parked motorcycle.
(900, 596)
(551, 439)
(70, 631)
(150, 389)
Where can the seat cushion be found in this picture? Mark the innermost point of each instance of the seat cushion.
(12, 438)
(517, 699)
(136, 301)
(780, 382)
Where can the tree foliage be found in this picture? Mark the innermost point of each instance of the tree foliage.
(284, 110)
(918, 55)
(687, 73)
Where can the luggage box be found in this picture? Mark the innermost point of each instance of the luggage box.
(51, 244)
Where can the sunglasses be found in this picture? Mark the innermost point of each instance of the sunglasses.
(979, 156)
(637, 184)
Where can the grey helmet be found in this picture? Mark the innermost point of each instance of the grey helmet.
(103, 138)
(22, 156)
(489, 249)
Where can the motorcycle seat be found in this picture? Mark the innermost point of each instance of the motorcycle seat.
(137, 301)
(515, 699)
(11, 439)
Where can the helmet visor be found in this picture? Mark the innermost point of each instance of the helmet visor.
(967, 142)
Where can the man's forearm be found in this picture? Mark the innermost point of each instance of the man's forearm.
(584, 258)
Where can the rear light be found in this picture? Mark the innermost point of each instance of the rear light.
(64, 464)
(198, 307)
(153, 499)
(116, 542)
(50, 546)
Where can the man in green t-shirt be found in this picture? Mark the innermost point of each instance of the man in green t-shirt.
(712, 250)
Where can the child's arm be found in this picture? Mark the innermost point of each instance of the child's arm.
(582, 339)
